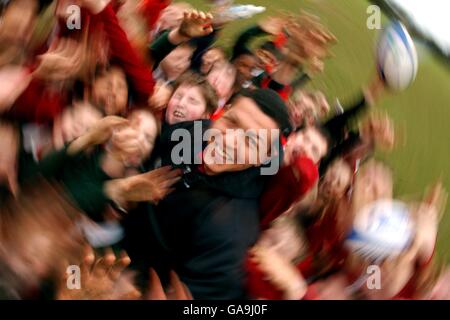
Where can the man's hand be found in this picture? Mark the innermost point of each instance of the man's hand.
(151, 186)
(195, 24)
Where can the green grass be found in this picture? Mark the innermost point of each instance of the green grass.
(421, 112)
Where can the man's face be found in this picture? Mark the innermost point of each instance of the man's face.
(244, 66)
(302, 110)
(177, 62)
(210, 58)
(267, 59)
(186, 104)
(222, 79)
(110, 92)
(237, 152)
(308, 142)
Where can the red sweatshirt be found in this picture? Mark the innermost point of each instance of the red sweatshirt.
(151, 9)
(123, 53)
(285, 188)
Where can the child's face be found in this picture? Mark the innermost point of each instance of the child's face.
(186, 104)
(177, 62)
(222, 78)
(110, 92)
(210, 58)
(302, 110)
(308, 142)
(267, 59)
(244, 66)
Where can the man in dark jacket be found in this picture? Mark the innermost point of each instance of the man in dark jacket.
(208, 227)
(204, 229)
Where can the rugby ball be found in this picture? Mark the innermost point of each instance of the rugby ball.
(380, 230)
(396, 56)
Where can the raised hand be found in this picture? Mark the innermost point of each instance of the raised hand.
(273, 25)
(437, 198)
(63, 61)
(308, 43)
(161, 96)
(379, 129)
(196, 24)
(97, 134)
(152, 186)
(102, 278)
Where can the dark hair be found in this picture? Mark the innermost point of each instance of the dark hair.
(272, 48)
(272, 105)
(194, 79)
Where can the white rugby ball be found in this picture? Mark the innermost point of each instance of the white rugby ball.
(396, 55)
(380, 230)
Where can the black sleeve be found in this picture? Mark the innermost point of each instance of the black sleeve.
(338, 125)
(241, 45)
(82, 177)
(300, 81)
(160, 48)
(202, 45)
(343, 148)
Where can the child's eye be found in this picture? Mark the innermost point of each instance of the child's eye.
(194, 101)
